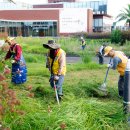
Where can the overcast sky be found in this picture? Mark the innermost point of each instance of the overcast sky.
(114, 6)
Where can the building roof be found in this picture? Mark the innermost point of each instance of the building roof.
(101, 15)
(53, 5)
(22, 15)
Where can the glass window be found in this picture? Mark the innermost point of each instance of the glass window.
(96, 22)
(88, 4)
(76, 5)
(84, 4)
(100, 22)
(96, 6)
(92, 5)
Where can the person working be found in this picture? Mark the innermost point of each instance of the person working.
(83, 44)
(100, 54)
(56, 63)
(119, 63)
(19, 70)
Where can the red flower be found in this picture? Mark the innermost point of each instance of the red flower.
(5, 128)
(62, 126)
(4, 85)
(7, 71)
(1, 109)
(2, 77)
(49, 109)
(20, 112)
(30, 95)
(29, 88)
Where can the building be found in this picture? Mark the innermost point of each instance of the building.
(45, 22)
(54, 19)
(56, 1)
(102, 22)
(6, 5)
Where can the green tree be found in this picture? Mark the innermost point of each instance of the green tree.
(11, 1)
(124, 15)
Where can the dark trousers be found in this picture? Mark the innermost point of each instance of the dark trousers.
(121, 85)
(101, 60)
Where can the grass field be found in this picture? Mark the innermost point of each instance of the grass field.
(83, 106)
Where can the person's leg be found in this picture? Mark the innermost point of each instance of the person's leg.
(100, 59)
(51, 80)
(59, 84)
(121, 85)
(82, 47)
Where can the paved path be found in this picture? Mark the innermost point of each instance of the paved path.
(73, 59)
(106, 60)
(76, 59)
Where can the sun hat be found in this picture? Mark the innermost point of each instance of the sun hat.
(8, 39)
(107, 50)
(51, 44)
(81, 38)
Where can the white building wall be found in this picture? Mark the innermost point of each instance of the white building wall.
(73, 20)
(6, 5)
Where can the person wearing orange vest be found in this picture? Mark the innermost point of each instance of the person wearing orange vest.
(119, 63)
(56, 63)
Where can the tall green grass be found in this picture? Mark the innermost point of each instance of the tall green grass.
(82, 108)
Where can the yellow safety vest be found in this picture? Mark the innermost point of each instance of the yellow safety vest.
(56, 65)
(83, 42)
(121, 66)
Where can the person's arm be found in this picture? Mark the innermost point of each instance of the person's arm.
(101, 50)
(62, 62)
(8, 55)
(47, 61)
(18, 51)
(116, 61)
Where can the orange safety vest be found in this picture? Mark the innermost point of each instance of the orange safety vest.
(56, 65)
(121, 66)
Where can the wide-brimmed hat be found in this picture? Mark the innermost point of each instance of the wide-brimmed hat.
(81, 38)
(107, 50)
(51, 45)
(1, 43)
(9, 39)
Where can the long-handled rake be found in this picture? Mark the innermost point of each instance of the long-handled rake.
(103, 87)
(57, 98)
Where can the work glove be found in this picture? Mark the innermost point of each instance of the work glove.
(109, 65)
(3, 61)
(13, 61)
(7, 70)
(56, 77)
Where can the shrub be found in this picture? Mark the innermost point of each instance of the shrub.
(98, 35)
(125, 36)
(116, 36)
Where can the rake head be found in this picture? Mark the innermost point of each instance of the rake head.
(103, 87)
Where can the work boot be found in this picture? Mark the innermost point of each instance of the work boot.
(60, 97)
